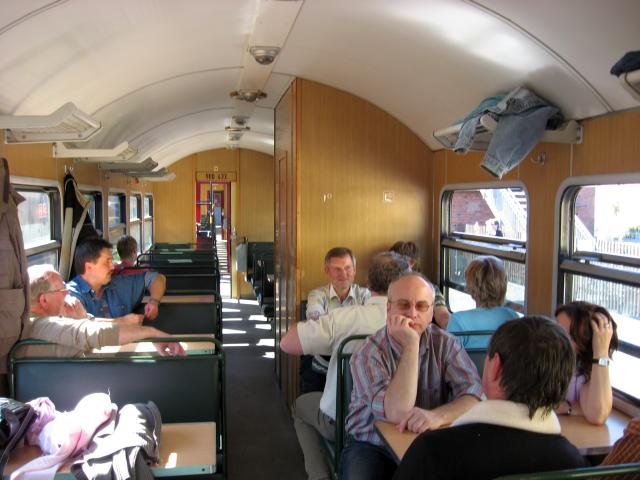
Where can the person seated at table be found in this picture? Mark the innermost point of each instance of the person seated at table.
(62, 321)
(341, 291)
(410, 373)
(410, 250)
(314, 413)
(127, 248)
(104, 295)
(527, 371)
(486, 282)
(594, 337)
(627, 448)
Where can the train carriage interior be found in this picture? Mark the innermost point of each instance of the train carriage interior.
(239, 140)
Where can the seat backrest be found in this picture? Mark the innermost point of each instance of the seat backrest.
(477, 355)
(343, 391)
(189, 318)
(186, 389)
(603, 472)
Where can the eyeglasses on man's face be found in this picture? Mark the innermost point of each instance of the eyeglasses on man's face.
(421, 306)
(59, 290)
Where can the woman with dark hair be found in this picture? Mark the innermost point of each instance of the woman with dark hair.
(593, 333)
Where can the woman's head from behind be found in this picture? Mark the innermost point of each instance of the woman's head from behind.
(575, 318)
(486, 281)
(409, 250)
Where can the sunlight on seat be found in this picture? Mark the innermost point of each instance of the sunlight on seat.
(232, 319)
(231, 331)
(266, 342)
(225, 345)
(248, 302)
(172, 460)
(257, 318)
(269, 355)
(227, 310)
(263, 326)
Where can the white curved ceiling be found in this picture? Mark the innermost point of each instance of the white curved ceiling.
(157, 73)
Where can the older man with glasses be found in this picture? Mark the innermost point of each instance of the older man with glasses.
(408, 373)
(64, 322)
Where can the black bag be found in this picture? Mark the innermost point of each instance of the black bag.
(15, 418)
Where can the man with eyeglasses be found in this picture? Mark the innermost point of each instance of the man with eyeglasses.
(54, 319)
(409, 373)
(314, 413)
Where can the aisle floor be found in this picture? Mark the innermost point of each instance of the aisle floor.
(262, 443)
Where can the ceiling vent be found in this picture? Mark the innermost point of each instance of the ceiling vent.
(67, 124)
(249, 96)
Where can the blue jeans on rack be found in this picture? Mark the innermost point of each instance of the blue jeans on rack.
(522, 119)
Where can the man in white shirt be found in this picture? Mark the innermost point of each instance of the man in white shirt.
(340, 268)
(314, 412)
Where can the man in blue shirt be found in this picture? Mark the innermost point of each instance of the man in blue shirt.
(105, 296)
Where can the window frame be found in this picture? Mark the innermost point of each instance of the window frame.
(137, 195)
(147, 219)
(95, 190)
(506, 248)
(124, 212)
(54, 191)
(579, 262)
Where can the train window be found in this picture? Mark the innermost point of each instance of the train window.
(148, 222)
(95, 209)
(599, 262)
(483, 221)
(135, 221)
(39, 221)
(117, 217)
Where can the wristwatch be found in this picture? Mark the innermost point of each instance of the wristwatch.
(602, 361)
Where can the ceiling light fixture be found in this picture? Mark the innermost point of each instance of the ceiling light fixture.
(240, 120)
(249, 96)
(67, 124)
(264, 55)
(234, 136)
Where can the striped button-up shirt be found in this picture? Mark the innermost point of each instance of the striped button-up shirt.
(446, 373)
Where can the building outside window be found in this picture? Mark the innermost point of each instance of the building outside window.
(599, 262)
(483, 221)
(39, 217)
(117, 219)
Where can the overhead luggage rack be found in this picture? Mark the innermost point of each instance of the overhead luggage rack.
(568, 132)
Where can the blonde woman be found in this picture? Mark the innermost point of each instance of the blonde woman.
(486, 282)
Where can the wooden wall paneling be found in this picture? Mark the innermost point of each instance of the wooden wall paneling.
(611, 145)
(223, 159)
(174, 204)
(353, 151)
(432, 248)
(31, 160)
(542, 182)
(255, 202)
(285, 237)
